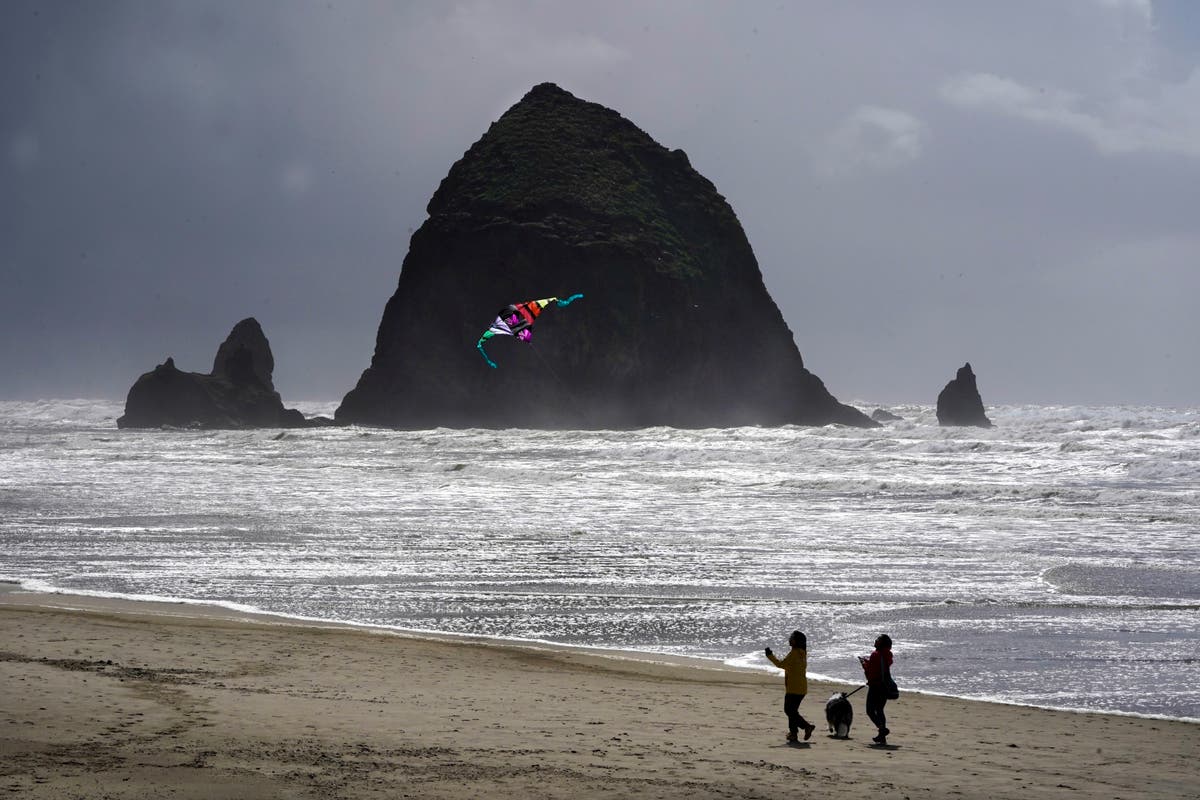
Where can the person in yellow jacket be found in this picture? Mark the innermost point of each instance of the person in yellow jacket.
(795, 684)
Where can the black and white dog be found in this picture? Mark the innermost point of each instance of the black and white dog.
(839, 714)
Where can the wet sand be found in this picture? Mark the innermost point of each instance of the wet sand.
(116, 699)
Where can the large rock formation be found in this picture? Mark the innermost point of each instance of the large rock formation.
(563, 196)
(237, 393)
(960, 404)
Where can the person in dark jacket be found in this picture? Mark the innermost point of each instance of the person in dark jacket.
(795, 684)
(877, 668)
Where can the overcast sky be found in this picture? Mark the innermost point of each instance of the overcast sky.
(1012, 184)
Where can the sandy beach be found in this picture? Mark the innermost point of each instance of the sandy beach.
(115, 699)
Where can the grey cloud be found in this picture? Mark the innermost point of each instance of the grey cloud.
(1167, 121)
(871, 138)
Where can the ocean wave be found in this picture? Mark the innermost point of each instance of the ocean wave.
(1129, 580)
(57, 414)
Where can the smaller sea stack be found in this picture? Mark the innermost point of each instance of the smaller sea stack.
(238, 393)
(959, 404)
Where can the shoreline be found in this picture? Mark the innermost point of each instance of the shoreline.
(128, 699)
(203, 609)
(206, 608)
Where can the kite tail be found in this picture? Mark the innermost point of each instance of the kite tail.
(479, 347)
(569, 300)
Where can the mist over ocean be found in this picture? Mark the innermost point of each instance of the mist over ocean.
(1053, 560)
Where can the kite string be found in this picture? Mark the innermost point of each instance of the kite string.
(566, 389)
(549, 368)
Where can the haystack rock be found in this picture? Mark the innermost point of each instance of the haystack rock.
(238, 393)
(675, 327)
(960, 404)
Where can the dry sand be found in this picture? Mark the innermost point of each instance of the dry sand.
(110, 699)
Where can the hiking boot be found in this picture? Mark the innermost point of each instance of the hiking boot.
(809, 731)
(791, 737)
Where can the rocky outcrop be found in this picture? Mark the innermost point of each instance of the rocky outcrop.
(244, 358)
(238, 393)
(563, 196)
(959, 404)
(883, 415)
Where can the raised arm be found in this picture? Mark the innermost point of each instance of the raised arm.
(771, 657)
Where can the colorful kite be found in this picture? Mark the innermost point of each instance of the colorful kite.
(516, 320)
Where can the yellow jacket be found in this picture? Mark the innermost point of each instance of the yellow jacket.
(795, 670)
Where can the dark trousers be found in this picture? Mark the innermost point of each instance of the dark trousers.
(791, 707)
(876, 700)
